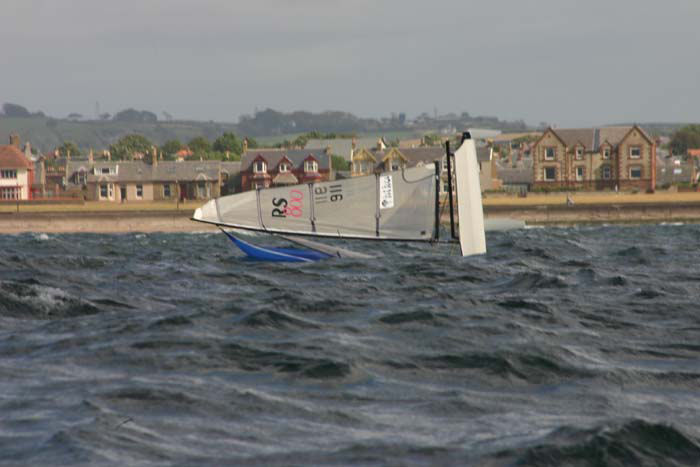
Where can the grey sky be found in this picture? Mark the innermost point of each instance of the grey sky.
(567, 62)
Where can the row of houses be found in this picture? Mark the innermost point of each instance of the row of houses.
(621, 158)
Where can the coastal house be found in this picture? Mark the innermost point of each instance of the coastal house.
(383, 159)
(622, 157)
(16, 172)
(264, 168)
(121, 181)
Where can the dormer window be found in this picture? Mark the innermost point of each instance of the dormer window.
(635, 152)
(606, 153)
(579, 152)
(310, 166)
(105, 170)
(549, 154)
(284, 167)
(260, 167)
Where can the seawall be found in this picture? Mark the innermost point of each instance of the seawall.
(604, 213)
(100, 222)
(179, 221)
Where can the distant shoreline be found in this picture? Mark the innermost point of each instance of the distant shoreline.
(179, 221)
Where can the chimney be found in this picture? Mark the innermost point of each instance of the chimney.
(14, 140)
(91, 157)
(245, 145)
(108, 155)
(28, 150)
(154, 157)
(228, 155)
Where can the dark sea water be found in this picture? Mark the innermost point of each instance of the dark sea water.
(561, 346)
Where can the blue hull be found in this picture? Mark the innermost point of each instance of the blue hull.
(276, 254)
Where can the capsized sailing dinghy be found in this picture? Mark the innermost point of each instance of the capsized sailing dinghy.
(400, 205)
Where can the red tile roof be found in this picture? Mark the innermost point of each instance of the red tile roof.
(694, 152)
(12, 158)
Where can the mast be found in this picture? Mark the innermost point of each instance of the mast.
(448, 156)
(436, 234)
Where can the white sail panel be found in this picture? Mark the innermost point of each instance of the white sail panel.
(413, 198)
(346, 207)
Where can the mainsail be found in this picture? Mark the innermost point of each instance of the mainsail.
(398, 205)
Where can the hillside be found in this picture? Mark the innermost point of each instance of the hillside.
(46, 133)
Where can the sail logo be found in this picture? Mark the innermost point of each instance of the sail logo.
(386, 192)
(292, 207)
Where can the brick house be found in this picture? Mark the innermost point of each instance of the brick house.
(263, 168)
(621, 157)
(16, 172)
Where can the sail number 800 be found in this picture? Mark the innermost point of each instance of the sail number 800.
(293, 207)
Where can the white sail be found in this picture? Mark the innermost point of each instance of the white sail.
(392, 205)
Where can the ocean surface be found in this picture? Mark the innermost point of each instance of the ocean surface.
(561, 346)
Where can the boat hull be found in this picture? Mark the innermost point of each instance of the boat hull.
(291, 255)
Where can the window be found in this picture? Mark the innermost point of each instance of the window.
(260, 167)
(103, 190)
(284, 167)
(394, 166)
(550, 154)
(580, 173)
(579, 153)
(105, 170)
(635, 172)
(310, 166)
(550, 174)
(202, 189)
(139, 191)
(9, 192)
(82, 177)
(607, 173)
(7, 173)
(606, 153)
(635, 152)
(166, 190)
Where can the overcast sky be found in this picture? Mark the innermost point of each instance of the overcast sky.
(565, 62)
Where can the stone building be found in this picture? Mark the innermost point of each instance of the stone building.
(122, 181)
(622, 157)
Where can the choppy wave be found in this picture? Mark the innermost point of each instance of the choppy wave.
(31, 300)
(561, 346)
